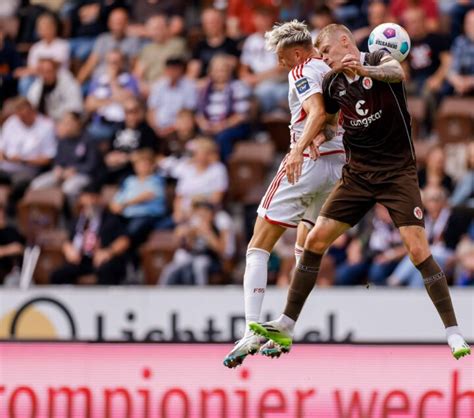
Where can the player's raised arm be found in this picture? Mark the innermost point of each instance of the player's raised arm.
(388, 70)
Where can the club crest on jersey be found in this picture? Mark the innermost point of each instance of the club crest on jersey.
(302, 85)
(367, 83)
(418, 213)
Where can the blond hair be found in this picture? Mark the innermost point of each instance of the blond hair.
(287, 34)
(330, 30)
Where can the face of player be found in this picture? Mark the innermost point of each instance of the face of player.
(292, 56)
(333, 50)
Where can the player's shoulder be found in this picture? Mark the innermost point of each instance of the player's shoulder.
(375, 58)
(329, 81)
(310, 68)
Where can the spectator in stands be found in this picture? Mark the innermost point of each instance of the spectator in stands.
(384, 250)
(86, 21)
(461, 73)
(241, 16)
(115, 39)
(141, 198)
(10, 60)
(132, 135)
(204, 247)
(49, 46)
(153, 57)
(321, 16)
(444, 229)
(28, 144)
(377, 13)
(259, 67)
(141, 10)
(169, 95)
(77, 160)
(428, 63)
(11, 247)
(94, 254)
(434, 174)
(215, 42)
(463, 194)
(429, 8)
(185, 131)
(202, 175)
(9, 17)
(55, 91)
(224, 106)
(465, 259)
(108, 92)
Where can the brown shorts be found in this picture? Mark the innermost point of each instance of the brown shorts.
(356, 193)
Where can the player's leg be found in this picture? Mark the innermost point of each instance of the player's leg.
(345, 206)
(325, 232)
(414, 238)
(270, 349)
(274, 216)
(400, 194)
(264, 238)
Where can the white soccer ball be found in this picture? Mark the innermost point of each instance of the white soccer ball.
(391, 38)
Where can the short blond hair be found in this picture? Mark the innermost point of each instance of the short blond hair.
(330, 30)
(282, 35)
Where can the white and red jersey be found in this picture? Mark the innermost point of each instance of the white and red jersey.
(304, 81)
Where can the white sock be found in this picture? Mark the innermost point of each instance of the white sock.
(286, 322)
(255, 283)
(454, 336)
(298, 253)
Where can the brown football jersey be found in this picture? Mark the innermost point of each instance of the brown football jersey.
(375, 119)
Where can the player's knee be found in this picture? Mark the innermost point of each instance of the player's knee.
(315, 243)
(418, 252)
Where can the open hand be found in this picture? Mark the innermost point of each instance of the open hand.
(294, 166)
(353, 64)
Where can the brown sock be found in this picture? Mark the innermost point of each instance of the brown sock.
(437, 288)
(302, 283)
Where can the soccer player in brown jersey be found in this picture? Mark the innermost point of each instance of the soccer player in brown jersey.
(368, 90)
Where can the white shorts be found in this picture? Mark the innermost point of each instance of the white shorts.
(287, 204)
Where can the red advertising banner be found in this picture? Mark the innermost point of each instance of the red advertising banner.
(168, 380)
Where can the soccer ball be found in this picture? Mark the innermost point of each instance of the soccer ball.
(391, 38)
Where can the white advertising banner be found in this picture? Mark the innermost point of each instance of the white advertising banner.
(215, 314)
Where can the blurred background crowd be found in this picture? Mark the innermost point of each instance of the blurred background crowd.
(137, 138)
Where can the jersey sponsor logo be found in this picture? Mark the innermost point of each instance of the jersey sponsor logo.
(418, 213)
(342, 93)
(367, 83)
(360, 111)
(366, 121)
(302, 85)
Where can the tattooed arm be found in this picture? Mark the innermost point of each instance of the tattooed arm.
(389, 70)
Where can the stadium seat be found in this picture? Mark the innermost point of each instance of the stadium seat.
(455, 120)
(39, 210)
(417, 109)
(51, 257)
(248, 166)
(156, 253)
(277, 127)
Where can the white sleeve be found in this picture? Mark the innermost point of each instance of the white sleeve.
(306, 80)
(221, 182)
(247, 57)
(48, 141)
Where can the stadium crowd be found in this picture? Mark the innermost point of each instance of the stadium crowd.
(132, 125)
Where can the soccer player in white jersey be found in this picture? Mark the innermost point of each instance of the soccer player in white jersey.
(303, 181)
